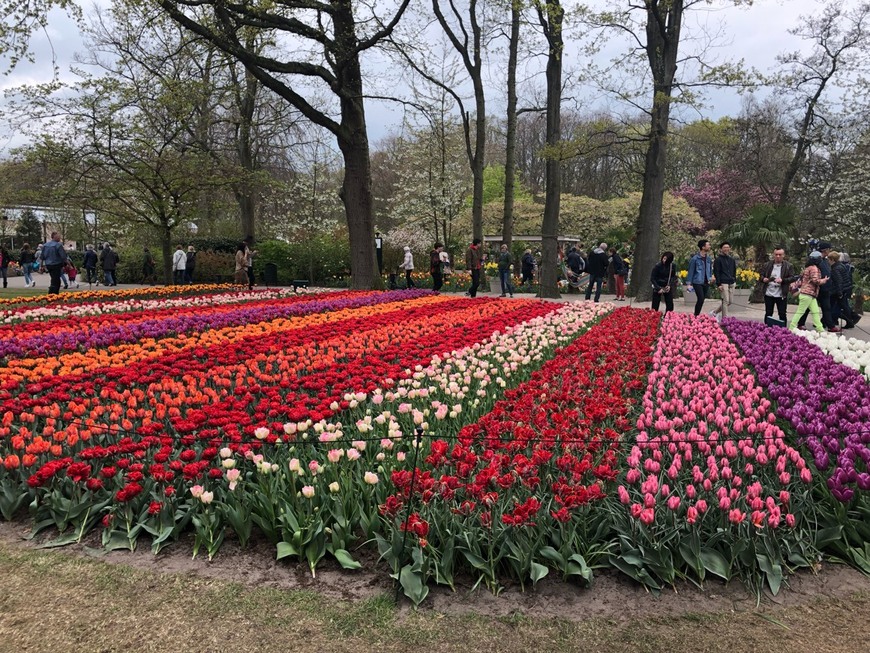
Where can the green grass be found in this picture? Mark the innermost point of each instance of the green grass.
(52, 601)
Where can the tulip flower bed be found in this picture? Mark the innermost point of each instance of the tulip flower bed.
(850, 352)
(827, 406)
(711, 482)
(501, 440)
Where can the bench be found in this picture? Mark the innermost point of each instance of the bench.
(299, 283)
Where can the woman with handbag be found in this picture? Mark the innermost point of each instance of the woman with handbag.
(664, 281)
(807, 288)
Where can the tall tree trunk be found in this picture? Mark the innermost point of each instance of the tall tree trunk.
(551, 21)
(478, 163)
(166, 250)
(664, 19)
(510, 156)
(353, 141)
(245, 194)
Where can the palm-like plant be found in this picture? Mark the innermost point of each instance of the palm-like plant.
(765, 226)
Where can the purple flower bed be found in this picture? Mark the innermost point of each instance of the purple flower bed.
(46, 344)
(828, 404)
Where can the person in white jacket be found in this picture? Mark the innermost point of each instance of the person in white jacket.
(179, 265)
(408, 267)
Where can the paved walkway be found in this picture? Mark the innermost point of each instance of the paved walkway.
(740, 307)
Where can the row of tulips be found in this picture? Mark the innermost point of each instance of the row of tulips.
(827, 406)
(851, 352)
(98, 296)
(712, 484)
(59, 370)
(118, 305)
(84, 334)
(160, 484)
(514, 493)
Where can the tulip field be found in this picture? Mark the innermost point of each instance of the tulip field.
(461, 441)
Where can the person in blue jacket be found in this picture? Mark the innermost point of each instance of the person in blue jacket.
(54, 257)
(701, 274)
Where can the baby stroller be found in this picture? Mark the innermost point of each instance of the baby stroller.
(574, 280)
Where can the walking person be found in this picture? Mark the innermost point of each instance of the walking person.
(841, 291)
(701, 274)
(664, 280)
(408, 267)
(190, 264)
(435, 267)
(5, 260)
(473, 260)
(71, 273)
(241, 272)
(25, 260)
(725, 273)
(249, 261)
(620, 271)
(109, 260)
(810, 282)
(820, 251)
(846, 294)
(505, 263)
(179, 264)
(53, 258)
(527, 267)
(776, 275)
(148, 267)
(597, 269)
(90, 264)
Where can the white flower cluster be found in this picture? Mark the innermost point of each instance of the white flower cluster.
(850, 352)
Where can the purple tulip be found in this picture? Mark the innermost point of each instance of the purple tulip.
(827, 404)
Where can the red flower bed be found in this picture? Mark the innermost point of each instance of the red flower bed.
(544, 453)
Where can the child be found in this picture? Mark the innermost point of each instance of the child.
(71, 272)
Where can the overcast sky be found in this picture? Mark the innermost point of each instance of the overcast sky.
(756, 34)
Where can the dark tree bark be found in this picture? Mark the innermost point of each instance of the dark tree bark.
(550, 15)
(333, 31)
(510, 157)
(467, 41)
(663, 23)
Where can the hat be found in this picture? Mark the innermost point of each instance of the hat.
(823, 245)
(190, 248)
(815, 255)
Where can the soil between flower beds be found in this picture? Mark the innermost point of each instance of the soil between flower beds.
(612, 595)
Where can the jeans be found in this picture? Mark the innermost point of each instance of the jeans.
(437, 281)
(475, 283)
(700, 296)
(807, 304)
(506, 286)
(727, 289)
(251, 278)
(179, 277)
(188, 275)
(92, 274)
(65, 279)
(409, 282)
(770, 302)
(109, 277)
(54, 274)
(28, 278)
(597, 281)
(3, 273)
(669, 300)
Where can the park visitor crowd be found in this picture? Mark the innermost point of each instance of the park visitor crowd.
(823, 286)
